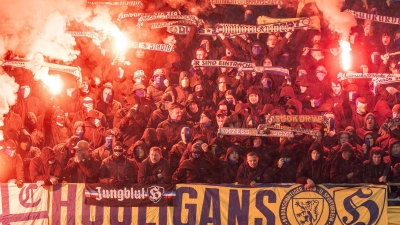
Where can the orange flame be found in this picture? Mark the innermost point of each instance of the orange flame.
(345, 55)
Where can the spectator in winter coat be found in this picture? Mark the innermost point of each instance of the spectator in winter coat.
(284, 171)
(175, 155)
(105, 150)
(117, 169)
(13, 167)
(207, 125)
(173, 125)
(229, 166)
(196, 169)
(314, 169)
(137, 153)
(94, 129)
(161, 113)
(45, 169)
(375, 170)
(346, 167)
(250, 172)
(130, 123)
(154, 169)
(108, 105)
(64, 151)
(369, 125)
(56, 126)
(82, 168)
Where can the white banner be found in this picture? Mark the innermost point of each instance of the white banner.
(151, 46)
(374, 17)
(26, 205)
(76, 71)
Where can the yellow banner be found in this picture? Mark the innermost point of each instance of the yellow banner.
(204, 204)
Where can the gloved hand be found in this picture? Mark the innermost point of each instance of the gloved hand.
(20, 184)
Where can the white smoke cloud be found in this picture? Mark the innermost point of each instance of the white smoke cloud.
(40, 26)
(8, 96)
(53, 41)
(340, 22)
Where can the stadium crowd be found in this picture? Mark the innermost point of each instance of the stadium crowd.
(154, 118)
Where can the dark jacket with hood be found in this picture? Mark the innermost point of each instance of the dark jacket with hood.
(246, 174)
(40, 169)
(135, 157)
(341, 168)
(394, 161)
(372, 172)
(148, 172)
(317, 171)
(94, 135)
(131, 128)
(54, 133)
(108, 109)
(86, 171)
(286, 173)
(188, 115)
(194, 170)
(361, 131)
(172, 130)
(175, 155)
(121, 169)
(157, 117)
(12, 167)
(228, 170)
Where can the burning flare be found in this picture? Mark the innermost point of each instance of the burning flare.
(345, 54)
(121, 42)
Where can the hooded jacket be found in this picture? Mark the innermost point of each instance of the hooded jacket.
(228, 170)
(121, 170)
(372, 172)
(12, 167)
(341, 168)
(148, 172)
(393, 161)
(131, 128)
(361, 131)
(157, 117)
(172, 130)
(175, 155)
(108, 109)
(40, 169)
(317, 171)
(188, 115)
(83, 172)
(194, 171)
(94, 135)
(55, 134)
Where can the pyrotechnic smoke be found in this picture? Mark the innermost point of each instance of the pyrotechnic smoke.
(8, 96)
(341, 22)
(53, 41)
(39, 26)
(52, 82)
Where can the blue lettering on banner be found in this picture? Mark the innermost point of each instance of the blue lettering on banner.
(241, 214)
(211, 195)
(269, 215)
(190, 207)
